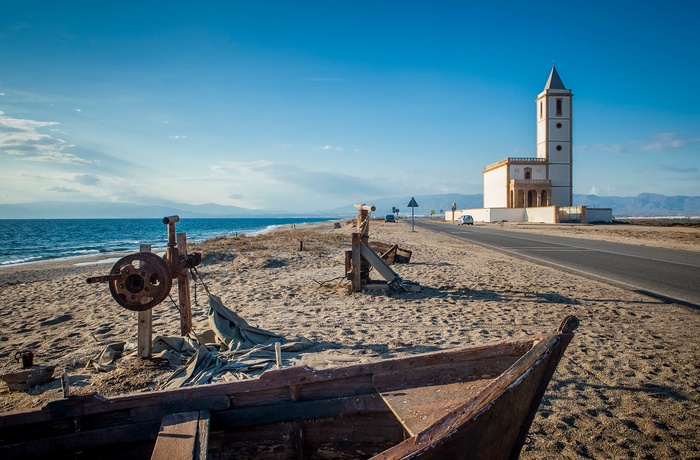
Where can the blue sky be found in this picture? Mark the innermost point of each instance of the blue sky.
(310, 105)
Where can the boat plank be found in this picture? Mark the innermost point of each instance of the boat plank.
(418, 408)
(297, 411)
(180, 438)
(138, 434)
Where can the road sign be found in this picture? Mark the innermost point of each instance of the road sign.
(413, 205)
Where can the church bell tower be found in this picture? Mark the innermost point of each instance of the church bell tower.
(554, 138)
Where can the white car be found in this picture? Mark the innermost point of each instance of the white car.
(465, 220)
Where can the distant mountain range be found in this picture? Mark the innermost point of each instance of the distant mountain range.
(643, 205)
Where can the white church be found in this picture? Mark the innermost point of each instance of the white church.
(538, 189)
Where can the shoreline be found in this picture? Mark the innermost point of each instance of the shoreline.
(162, 245)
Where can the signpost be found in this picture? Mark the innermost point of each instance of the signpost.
(412, 204)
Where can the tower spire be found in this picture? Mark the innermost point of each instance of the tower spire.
(554, 81)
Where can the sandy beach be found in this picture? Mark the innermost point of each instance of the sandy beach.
(627, 387)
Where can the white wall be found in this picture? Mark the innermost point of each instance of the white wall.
(490, 214)
(546, 214)
(560, 176)
(559, 156)
(559, 134)
(496, 188)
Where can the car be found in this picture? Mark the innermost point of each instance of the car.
(466, 219)
(389, 218)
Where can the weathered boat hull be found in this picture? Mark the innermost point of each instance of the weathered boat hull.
(476, 402)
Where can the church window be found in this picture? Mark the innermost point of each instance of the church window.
(540, 109)
(558, 107)
(558, 148)
(559, 125)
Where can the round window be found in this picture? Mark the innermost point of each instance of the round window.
(559, 125)
(558, 148)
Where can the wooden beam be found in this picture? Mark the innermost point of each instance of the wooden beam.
(183, 436)
(183, 290)
(145, 325)
(356, 263)
(378, 264)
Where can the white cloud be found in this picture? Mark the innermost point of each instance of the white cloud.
(20, 137)
(178, 136)
(87, 179)
(670, 168)
(668, 141)
(60, 189)
(78, 110)
(331, 148)
(270, 185)
(662, 142)
(604, 148)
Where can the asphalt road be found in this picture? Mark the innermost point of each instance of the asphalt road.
(668, 274)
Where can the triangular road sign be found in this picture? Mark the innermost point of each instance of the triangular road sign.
(413, 203)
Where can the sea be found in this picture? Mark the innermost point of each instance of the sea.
(24, 241)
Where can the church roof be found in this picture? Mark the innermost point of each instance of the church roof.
(554, 81)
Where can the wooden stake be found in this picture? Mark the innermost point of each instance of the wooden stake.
(278, 354)
(183, 290)
(145, 324)
(356, 263)
(64, 385)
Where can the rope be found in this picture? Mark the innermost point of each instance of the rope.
(196, 336)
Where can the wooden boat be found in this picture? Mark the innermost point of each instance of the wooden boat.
(475, 402)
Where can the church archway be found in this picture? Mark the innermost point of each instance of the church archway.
(544, 198)
(531, 198)
(521, 199)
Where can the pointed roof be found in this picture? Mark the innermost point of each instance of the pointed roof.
(554, 81)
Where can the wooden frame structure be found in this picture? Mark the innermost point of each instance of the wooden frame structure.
(362, 257)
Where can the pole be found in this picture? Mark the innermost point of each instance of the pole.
(145, 324)
(413, 219)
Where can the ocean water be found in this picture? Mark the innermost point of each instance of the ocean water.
(33, 240)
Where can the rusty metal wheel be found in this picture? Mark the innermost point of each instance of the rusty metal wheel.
(144, 281)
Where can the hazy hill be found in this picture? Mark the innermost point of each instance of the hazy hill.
(106, 210)
(643, 205)
(426, 203)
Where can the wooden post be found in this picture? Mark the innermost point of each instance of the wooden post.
(356, 263)
(145, 326)
(278, 354)
(183, 290)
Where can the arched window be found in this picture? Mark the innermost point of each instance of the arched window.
(528, 173)
(558, 107)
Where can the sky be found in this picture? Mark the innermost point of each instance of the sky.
(312, 105)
